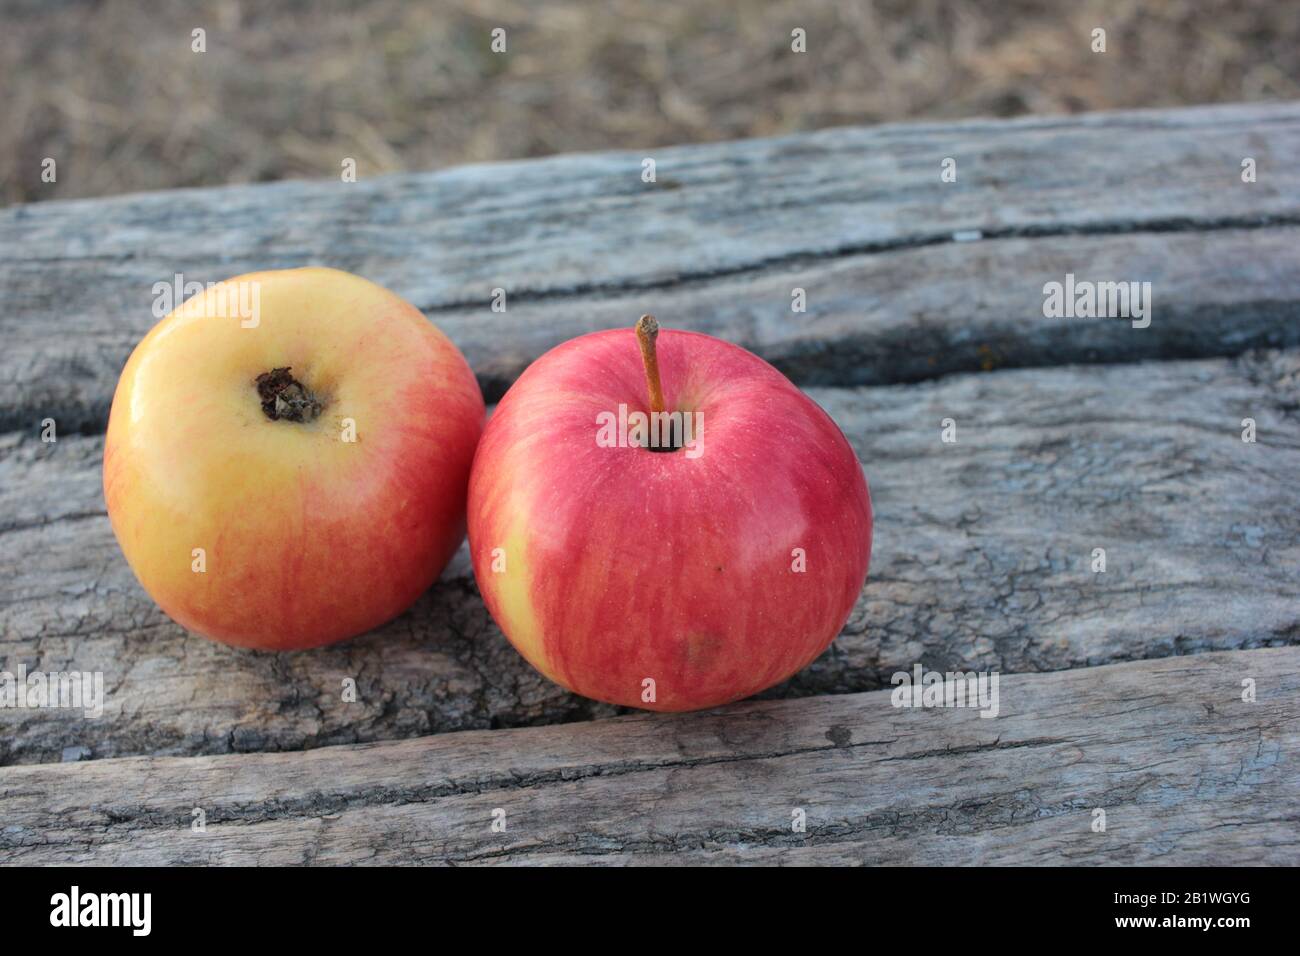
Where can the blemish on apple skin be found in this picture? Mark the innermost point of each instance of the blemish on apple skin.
(839, 736)
(702, 650)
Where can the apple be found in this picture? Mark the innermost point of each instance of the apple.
(287, 458)
(666, 571)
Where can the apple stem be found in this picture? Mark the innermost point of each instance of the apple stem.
(647, 329)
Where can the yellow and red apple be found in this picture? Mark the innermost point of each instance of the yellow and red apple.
(666, 578)
(292, 474)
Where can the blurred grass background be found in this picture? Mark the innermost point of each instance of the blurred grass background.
(113, 92)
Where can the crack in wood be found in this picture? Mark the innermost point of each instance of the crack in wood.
(798, 258)
(721, 786)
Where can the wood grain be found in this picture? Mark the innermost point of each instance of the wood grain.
(1120, 691)
(982, 559)
(858, 217)
(1185, 770)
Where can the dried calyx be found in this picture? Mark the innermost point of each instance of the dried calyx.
(284, 398)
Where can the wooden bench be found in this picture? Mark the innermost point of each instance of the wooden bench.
(1120, 691)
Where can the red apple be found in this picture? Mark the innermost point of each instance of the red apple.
(666, 579)
(287, 458)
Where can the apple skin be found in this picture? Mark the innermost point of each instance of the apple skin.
(308, 539)
(622, 564)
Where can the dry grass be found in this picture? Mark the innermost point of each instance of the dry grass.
(113, 92)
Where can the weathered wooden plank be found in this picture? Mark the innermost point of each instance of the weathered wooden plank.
(982, 560)
(1185, 770)
(859, 218)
